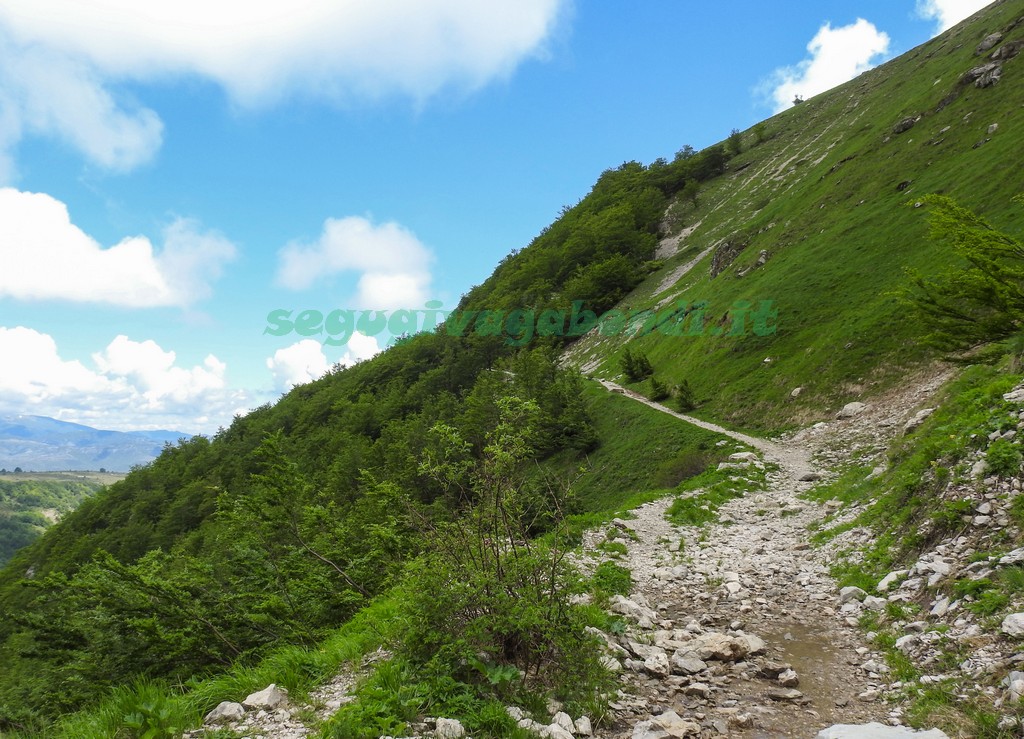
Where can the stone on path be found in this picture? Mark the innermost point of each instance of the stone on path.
(450, 728)
(1013, 625)
(877, 731)
(225, 713)
(268, 699)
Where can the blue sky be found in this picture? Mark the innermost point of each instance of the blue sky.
(172, 173)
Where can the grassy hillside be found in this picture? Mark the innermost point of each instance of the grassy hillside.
(827, 190)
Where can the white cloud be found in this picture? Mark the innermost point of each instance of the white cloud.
(60, 59)
(305, 360)
(45, 92)
(360, 347)
(394, 265)
(130, 380)
(836, 56)
(45, 256)
(297, 364)
(947, 13)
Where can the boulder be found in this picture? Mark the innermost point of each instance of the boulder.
(851, 410)
(449, 728)
(267, 699)
(785, 694)
(672, 724)
(564, 720)
(657, 664)
(887, 582)
(687, 663)
(715, 645)
(877, 731)
(905, 125)
(1007, 51)
(988, 42)
(1015, 557)
(875, 604)
(644, 615)
(751, 644)
(788, 678)
(1013, 625)
(225, 713)
(851, 593)
(555, 731)
(584, 727)
(915, 422)
(743, 457)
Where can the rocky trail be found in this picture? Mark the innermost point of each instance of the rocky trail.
(734, 628)
(774, 655)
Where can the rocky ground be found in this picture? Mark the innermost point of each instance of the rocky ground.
(735, 628)
(743, 611)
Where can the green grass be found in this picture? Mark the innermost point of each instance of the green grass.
(819, 195)
(709, 491)
(671, 450)
(610, 578)
(911, 491)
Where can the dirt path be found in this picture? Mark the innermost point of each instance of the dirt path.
(752, 572)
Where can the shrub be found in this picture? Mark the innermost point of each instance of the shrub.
(686, 400)
(1003, 458)
(658, 390)
(636, 367)
(485, 594)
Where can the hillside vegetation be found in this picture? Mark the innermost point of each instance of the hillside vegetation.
(390, 496)
(31, 503)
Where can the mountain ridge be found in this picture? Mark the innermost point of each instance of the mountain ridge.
(44, 444)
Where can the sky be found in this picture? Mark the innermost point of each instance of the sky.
(173, 175)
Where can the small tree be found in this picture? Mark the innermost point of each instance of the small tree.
(658, 390)
(486, 595)
(636, 367)
(686, 399)
(690, 192)
(982, 303)
(761, 132)
(735, 142)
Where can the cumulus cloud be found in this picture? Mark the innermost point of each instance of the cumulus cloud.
(61, 59)
(393, 264)
(45, 256)
(129, 380)
(947, 13)
(836, 56)
(45, 92)
(297, 364)
(305, 360)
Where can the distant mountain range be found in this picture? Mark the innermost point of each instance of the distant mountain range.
(42, 444)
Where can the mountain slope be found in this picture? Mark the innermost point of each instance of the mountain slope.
(827, 199)
(284, 525)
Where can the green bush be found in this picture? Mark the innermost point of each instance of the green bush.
(636, 367)
(686, 399)
(1003, 458)
(485, 593)
(658, 390)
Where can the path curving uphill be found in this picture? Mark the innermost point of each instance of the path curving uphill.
(751, 577)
